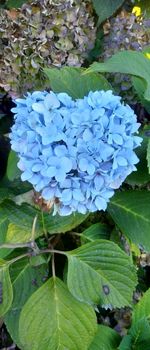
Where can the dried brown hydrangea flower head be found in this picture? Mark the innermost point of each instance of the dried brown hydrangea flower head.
(126, 31)
(42, 33)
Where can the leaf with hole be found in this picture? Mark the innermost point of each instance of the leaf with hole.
(55, 320)
(101, 273)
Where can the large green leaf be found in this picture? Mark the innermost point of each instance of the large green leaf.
(127, 62)
(100, 272)
(27, 282)
(148, 155)
(21, 220)
(71, 80)
(105, 9)
(6, 292)
(105, 339)
(131, 212)
(12, 170)
(52, 319)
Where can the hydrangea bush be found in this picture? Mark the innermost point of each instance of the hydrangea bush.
(75, 152)
(71, 271)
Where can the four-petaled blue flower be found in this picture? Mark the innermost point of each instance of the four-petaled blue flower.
(78, 151)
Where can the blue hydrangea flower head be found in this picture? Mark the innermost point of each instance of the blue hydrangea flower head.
(75, 153)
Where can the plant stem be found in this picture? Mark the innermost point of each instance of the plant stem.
(18, 258)
(53, 265)
(52, 251)
(33, 228)
(16, 245)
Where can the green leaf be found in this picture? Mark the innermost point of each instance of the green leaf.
(21, 220)
(148, 155)
(127, 62)
(126, 343)
(71, 81)
(105, 339)
(107, 8)
(131, 212)
(96, 231)
(12, 171)
(141, 176)
(6, 292)
(101, 273)
(53, 319)
(27, 282)
(142, 308)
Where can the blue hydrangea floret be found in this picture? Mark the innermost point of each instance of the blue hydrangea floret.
(75, 152)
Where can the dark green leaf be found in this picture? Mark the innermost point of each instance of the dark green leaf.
(15, 3)
(5, 193)
(107, 8)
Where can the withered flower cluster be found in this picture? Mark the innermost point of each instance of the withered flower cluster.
(126, 31)
(42, 33)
